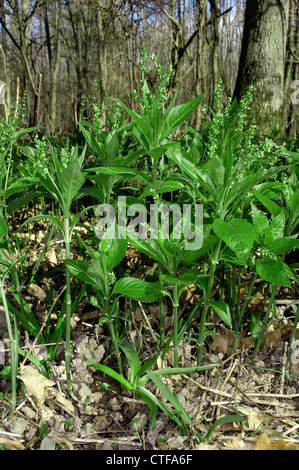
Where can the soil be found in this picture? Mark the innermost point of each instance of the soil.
(107, 417)
(103, 419)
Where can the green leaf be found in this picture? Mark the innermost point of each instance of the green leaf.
(139, 289)
(226, 419)
(184, 370)
(294, 209)
(121, 171)
(149, 247)
(22, 201)
(152, 399)
(147, 365)
(169, 186)
(237, 234)
(142, 125)
(215, 173)
(133, 358)
(274, 271)
(97, 269)
(111, 146)
(281, 246)
(115, 250)
(92, 191)
(70, 181)
(222, 309)
(48, 443)
(148, 398)
(208, 243)
(177, 115)
(173, 400)
(79, 269)
(50, 184)
(276, 228)
(255, 326)
(260, 221)
(25, 131)
(111, 373)
(272, 207)
(3, 228)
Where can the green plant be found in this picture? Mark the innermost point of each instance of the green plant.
(221, 181)
(141, 374)
(8, 259)
(275, 238)
(99, 274)
(63, 184)
(292, 337)
(225, 419)
(13, 344)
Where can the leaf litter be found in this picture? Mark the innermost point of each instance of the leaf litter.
(105, 414)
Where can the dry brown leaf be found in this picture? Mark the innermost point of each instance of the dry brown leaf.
(37, 292)
(51, 257)
(294, 369)
(10, 444)
(37, 387)
(36, 384)
(275, 336)
(234, 443)
(263, 443)
(204, 446)
(65, 403)
(254, 420)
(188, 294)
(223, 343)
(282, 445)
(256, 301)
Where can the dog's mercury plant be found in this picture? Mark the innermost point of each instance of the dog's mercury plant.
(250, 212)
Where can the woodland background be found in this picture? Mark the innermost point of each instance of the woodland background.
(52, 53)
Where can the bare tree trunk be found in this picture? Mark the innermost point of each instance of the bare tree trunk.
(215, 14)
(4, 49)
(102, 57)
(54, 58)
(200, 22)
(292, 61)
(262, 61)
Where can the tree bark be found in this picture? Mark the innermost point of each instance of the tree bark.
(54, 58)
(3, 47)
(291, 70)
(215, 14)
(262, 61)
(102, 57)
(199, 88)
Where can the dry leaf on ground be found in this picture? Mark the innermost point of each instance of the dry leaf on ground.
(37, 387)
(234, 443)
(36, 384)
(10, 444)
(223, 343)
(263, 443)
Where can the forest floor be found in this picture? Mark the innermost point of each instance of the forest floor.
(107, 417)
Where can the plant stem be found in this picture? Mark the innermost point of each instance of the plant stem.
(68, 310)
(201, 334)
(16, 279)
(240, 317)
(265, 323)
(107, 308)
(13, 343)
(292, 338)
(175, 324)
(162, 317)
